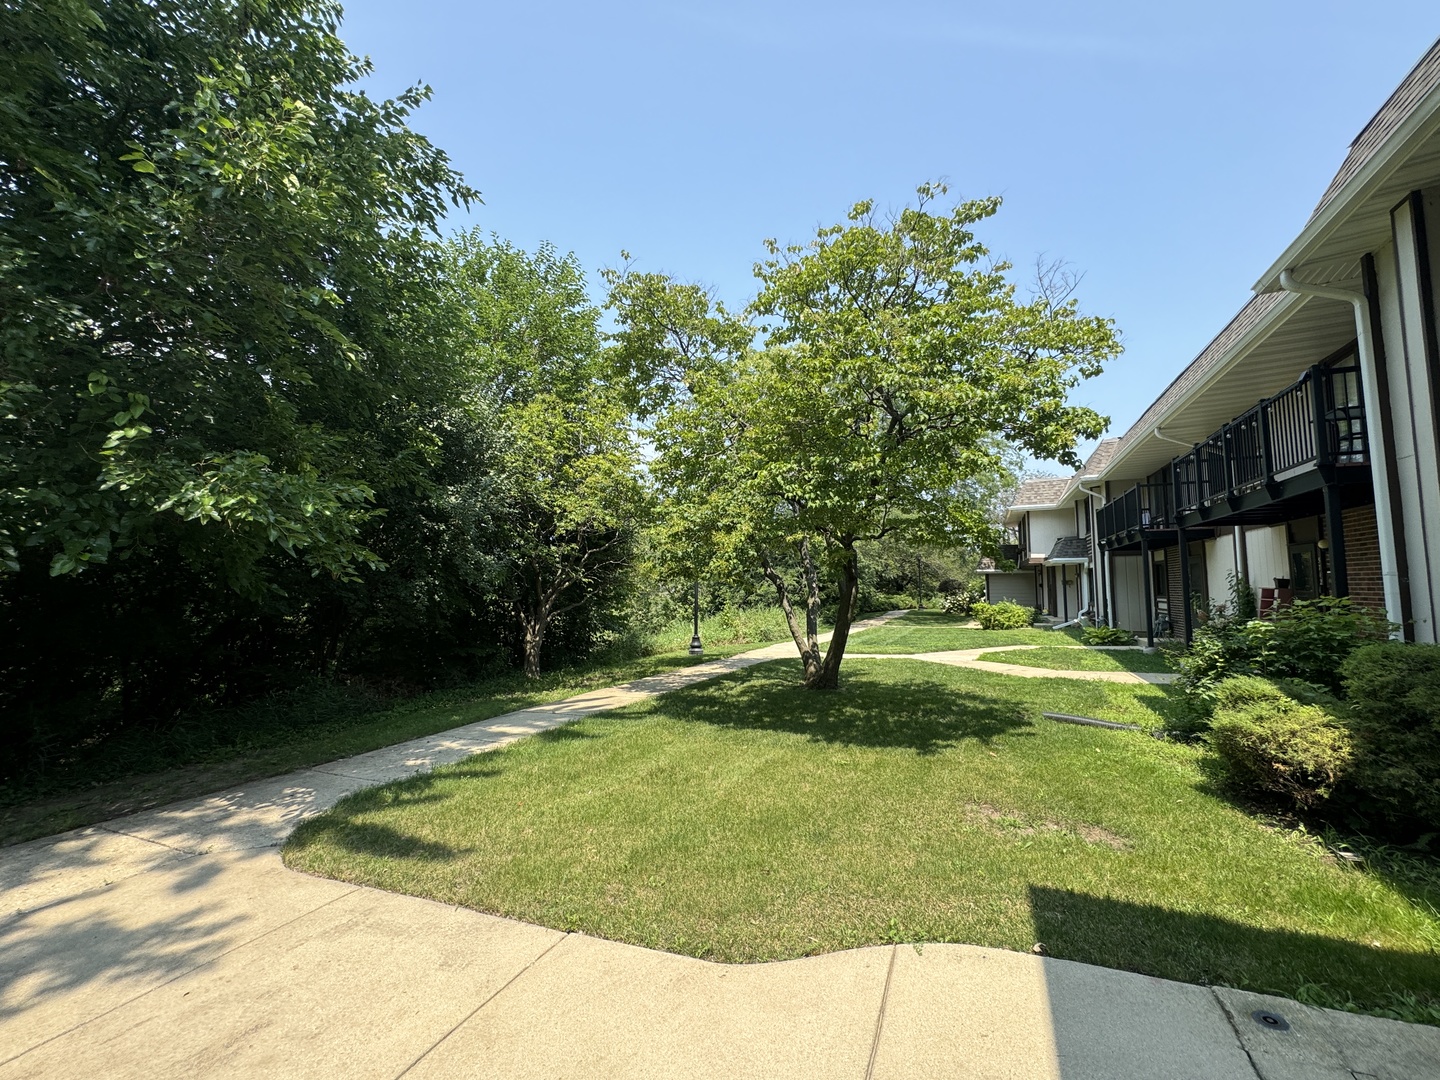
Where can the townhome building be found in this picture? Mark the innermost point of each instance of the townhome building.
(1300, 451)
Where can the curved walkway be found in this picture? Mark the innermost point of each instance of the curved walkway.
(969, 658)
(175, 943)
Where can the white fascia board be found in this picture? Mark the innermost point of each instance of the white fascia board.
(1282, 310)
(1389, 157)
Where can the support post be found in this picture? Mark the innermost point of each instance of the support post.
(1184, 559)
(1335, 536)
(1147, 577)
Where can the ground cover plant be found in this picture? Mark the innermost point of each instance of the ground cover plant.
(748, 820)
(1081, 659)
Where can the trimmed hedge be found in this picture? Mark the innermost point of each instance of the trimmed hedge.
(1002, 616)
(1271, 744)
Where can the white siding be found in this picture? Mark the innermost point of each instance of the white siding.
(1269, 554)
(1047, 526)
(1219, 565)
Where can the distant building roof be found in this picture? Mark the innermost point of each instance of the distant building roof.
(1070, 549)
(1042, 491)
(1100, 457)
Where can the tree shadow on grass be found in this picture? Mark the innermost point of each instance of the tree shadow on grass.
(867, 710)
(1200, 948)
(378, 841)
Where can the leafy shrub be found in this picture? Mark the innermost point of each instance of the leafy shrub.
(1272, 744)
(1002, 616)
(1243, 602)
(1307, 641)
(1106, 635)
(1219, 651)
(1394, 694)
(962, 599)
(1313, 637)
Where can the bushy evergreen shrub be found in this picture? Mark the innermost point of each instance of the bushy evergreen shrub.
(1393, 691)
(1273, 745)
(1002, 616)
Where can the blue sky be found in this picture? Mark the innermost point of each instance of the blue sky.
(1168, 152)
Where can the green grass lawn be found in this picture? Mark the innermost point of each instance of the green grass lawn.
(219, 749)
(903, 636)
(1063, 659)
(747, 820)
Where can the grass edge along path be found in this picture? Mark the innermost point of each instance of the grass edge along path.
(1080, 658)
(746, 819)
(269, 753)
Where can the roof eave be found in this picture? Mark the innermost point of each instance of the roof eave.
(1248, 341)
(1422, 122)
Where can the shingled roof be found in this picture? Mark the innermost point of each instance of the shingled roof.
(1423, 78)
(1100, 457)
(1070, 549)
(1210, 357)
(1042, 491)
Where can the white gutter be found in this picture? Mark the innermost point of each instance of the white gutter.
(1417, 125)
(1161, 435)
(1379, 468)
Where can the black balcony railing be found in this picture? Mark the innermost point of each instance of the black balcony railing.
(1276, 438)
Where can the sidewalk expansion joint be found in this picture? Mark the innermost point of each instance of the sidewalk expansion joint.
(468, 1016)
(880, 1018)
(1239, 1042)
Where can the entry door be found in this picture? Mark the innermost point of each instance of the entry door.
(1304, 571)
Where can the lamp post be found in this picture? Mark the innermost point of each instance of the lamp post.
(919, 585)
(695, 647)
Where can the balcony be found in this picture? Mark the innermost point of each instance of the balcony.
(1267, 454)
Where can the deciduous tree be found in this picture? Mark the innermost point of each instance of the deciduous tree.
(882, 376)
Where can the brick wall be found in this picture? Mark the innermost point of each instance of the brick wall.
(1362, 556)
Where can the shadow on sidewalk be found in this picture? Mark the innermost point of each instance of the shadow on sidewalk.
(1200, 948)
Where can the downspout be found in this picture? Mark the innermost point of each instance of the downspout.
(1100, 603)
(1365, 346)
(1161, 435)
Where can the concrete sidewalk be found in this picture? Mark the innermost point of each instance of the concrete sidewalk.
(970, 658)
(174, 943)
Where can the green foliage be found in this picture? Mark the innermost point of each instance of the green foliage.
(962, 600)
(1106, 635)
(574, 499)
(1243, 604)
(1307, 641)
(887, 374)
(1394, 694)
(1313, 637)
(255, 419)
(183, 348)
(1002, 616)
(1273, 745)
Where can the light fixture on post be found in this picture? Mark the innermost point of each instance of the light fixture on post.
(696, 648)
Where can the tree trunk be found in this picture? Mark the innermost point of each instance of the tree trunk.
(532, 627)
(805, 637)
(827, 673)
